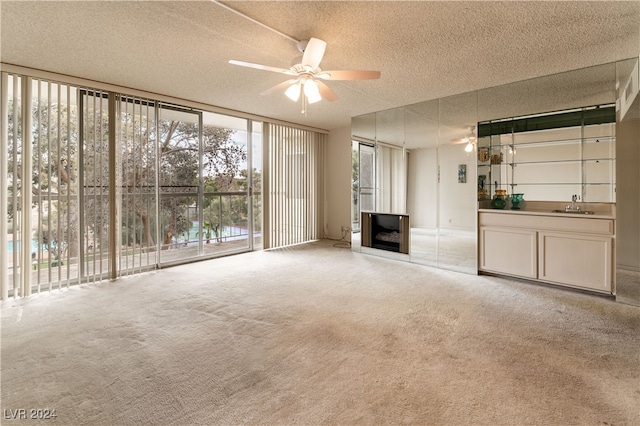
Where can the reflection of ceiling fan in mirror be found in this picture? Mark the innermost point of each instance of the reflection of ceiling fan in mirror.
(469, 140)
(306, 76)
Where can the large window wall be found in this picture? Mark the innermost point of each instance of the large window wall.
(98, 184)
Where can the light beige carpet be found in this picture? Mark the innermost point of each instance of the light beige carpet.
(320, 335)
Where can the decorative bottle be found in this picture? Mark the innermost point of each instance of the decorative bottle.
(499, 199)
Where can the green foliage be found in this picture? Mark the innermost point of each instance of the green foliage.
(180, 166)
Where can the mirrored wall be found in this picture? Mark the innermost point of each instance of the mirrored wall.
(432, 149)
(412, 160)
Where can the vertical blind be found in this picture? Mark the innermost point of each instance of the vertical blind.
(294, 184)
(41, 140)
(391, 179)
(94, 173)
(136, 169)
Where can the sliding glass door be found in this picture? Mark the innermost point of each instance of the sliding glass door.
(205, 184)
(179, 183)
(227, 224)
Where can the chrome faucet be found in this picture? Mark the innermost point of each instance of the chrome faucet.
(573, 207)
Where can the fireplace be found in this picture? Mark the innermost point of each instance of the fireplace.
(385, 231)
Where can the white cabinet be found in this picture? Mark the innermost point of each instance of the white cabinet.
(577, 260)
(509, 251)
(576, 252)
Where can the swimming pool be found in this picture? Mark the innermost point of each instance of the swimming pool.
(10, 246)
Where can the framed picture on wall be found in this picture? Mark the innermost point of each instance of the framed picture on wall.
(462, 173)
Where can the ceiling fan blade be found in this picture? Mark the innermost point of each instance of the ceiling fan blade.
(349, 75)
(314, 52)
(261, 67)
(326, 92)
(278, 87)
(464, 140)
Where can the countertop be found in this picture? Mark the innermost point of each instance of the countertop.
(546, 208)
(549, 212)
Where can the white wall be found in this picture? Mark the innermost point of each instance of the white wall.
(338, 183)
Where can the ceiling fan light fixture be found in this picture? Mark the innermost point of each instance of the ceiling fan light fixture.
(311, 91)
(293, 92)
(470, 140)
(469, 146)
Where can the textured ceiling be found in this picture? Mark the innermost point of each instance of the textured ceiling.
(424, 50)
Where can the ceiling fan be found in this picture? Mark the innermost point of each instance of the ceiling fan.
(306, 76)
(468, 140)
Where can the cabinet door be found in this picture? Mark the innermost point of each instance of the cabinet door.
(509, 251)
(576, 260)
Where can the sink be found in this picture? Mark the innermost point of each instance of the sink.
(573, 212)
